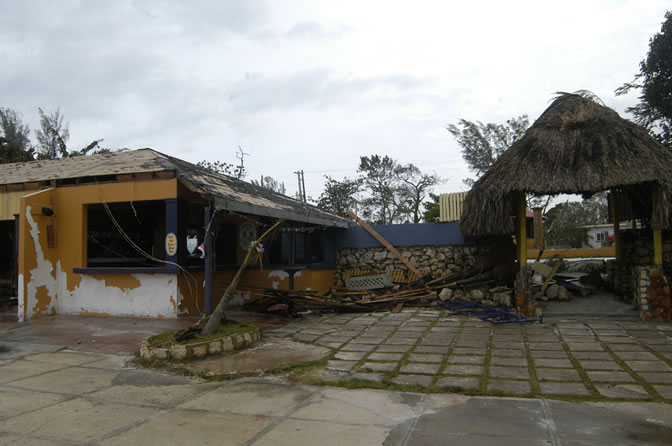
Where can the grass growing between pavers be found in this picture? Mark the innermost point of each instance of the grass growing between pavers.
(227, 328)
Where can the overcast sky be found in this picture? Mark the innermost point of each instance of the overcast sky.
(311, 84)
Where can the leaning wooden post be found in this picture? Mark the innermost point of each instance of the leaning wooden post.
(617, 225)
(215, 320)
(521, 233)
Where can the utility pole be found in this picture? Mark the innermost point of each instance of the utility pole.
(302, 186)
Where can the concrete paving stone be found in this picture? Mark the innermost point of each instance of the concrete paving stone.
(508, 385)
(413, 380)
(550, 354)
(414, 335)
(365, 376)
(250, 398)
(413, 328)
(417, 357)
(585, 347)
(657, 340)
(444, 330)
(464, 344)
(76, 420)
(378, 332)
(509, 372)
(24, 368)
(71, 381)
(560, 363)
(656, 377)
(400, 341)
(305, 338)
(314, 331)
(393, 348)
(588, 337)
(358, 347)
(388, 322)
(334, 345)
(417, 438)
(111, 362)
(183, 426)
(664, 391)
(466, 359)
(626, 348)
(379, 366)
(609, 376)
(469, 351)
(358, 407)
(611, 423)
(628, 391)
(508, 361)
(534, 346)
(350, 356)
(649, 366)
(386, 356)
(463, 369)
(507, 345)
(600, 365)
(618, 340)
(335, 339)
(28, 440)
(439, 349)
(341, 366)
(17, 401)
(547, 374)
(331, 375)
(662, 348)
(436, 342)
(66, 357)
(636, 356)
(153, 395)
(420, 369)
(555, 388)
(463, 383)
(295, 432)
(516, 353)
(597, 356)
(370, 341)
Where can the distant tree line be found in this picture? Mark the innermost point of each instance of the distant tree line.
(51, 139)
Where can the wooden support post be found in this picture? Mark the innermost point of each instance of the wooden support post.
(657, 247)
(617, 225)
(521, 233)
(538, 229)
(386, 244)
(207, 241)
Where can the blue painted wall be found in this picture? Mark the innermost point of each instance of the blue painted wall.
(423, 234)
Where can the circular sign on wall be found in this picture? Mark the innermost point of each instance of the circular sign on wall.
(171, 244)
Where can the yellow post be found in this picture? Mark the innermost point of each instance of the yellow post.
(658, 247)
(617, 225)
(521, 233)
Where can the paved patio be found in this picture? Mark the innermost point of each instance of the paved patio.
(433, 350)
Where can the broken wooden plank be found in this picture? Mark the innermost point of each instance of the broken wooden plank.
(385, 243)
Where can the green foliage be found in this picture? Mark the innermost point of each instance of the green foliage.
(271, 184)
(52, 136)
(483, 143)
(220, 167)
(414, 188)
(654, 81)
(383, 204)
(15, 144)
(432, 209)
(339, 197)
(563, 222)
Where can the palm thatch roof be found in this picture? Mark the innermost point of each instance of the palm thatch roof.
(577, 146)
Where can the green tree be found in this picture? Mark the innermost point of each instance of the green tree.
(414, 187)
(654, 81)
(53, 135)
(339, 197)
(15, 143)
(220, 167)
(563, 225)
(483, 143)
(271, 184)
(432, 212)
(385, 202)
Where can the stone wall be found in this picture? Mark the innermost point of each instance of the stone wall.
(435, 259)
(652, 293)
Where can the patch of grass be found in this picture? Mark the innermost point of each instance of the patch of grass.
(227, 328)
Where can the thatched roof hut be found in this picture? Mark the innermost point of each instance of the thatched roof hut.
(577, 146)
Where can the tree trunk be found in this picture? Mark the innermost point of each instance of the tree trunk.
(215, 319)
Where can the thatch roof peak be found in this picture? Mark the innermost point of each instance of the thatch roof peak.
(576, 146)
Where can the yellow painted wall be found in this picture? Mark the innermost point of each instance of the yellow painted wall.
(39, 263)
(573, 253)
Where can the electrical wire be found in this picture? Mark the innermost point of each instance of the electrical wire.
(142, 252)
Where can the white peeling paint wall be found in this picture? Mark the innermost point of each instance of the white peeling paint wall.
(40, 276)
(151, 299)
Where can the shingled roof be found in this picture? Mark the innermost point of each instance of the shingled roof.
(226, 192)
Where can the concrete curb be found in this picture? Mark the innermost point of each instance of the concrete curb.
(181, 352)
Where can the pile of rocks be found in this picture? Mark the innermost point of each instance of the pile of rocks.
(494, 297)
